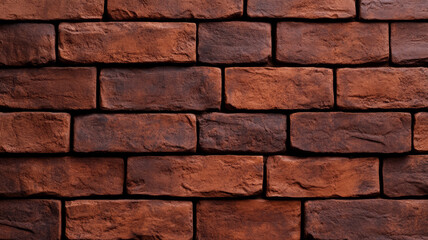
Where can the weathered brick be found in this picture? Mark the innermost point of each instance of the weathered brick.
(48, 88)
(30, 219)
(61, 176)
(220, 132)
(248, 219)
(129, 219)
(27, 44)
(195, 176)
(51, 9)
(279, 88)
(366, 219)
(175, 9)
(311, 9)
(420, 138)
(161, 88)
(234, 42)
(405, 176)
(127, 42)
(339, 132)
(370, 88)
(31, 132)
(332, 43)
(409, 43)
(393, 9)
(135, 133)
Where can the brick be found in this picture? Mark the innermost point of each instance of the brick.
(248, 219)
(393, 9)
(175, 9)
(383, 88)
(321, 177)
(129, 219)
(339, 132)
(332, 43)
(135, 133)
(310, 9)
(161, 88)
(405, 176)
(27, 44)
(127, 42)
(48, 88)
(234, 42)
(279, 88)
(61, 176)
(34, 132)
(195, 176)
(30, 219)
(409, 43)
(420, 138)
(51, 9)
(366, 219)
(220, 132)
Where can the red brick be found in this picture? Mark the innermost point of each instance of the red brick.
(48, 88)
(311, 9)
(30, 219)
(195, 176)
(405, 176)
(279, 88)
(220, 132)
(332, 43)
(234, 42)
(31, 132)
(61, 176)
(129, 219)
(51, 9)
(420, 138)
(175, 9)
(339, 132)
(366, 219)
(127, 42)
(393, 9)
(248, 219)
(371, 88)
(27, 44)
(180, 89)
(321, 176)
(409, 43)
(135, 133)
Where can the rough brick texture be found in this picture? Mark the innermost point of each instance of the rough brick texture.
(409, 43)
(420, 138)
(393, 9)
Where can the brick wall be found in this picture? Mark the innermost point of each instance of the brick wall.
(214, 119)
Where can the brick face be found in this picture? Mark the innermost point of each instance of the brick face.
(409, 43)
(420, 138)
(393, 9)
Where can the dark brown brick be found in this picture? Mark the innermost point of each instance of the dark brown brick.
(393, 9)
(409, 43)
(420, 138)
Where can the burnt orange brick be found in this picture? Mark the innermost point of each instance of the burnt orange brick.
(248, 219)
(370, 88)
(162, 88)
(48, 88)
(279, 88)
(321, 176)
(31, 132)
(127, 42)
(135, 133)
(332, 43)
(393, 9)
(366, 219)
(234, 42)
(51, 9)
(195, 176)
(409, 43)
(339, 132)
(30, 219)
(62, 176)
(420, 138)
(220, 132)
(311, 9)
(129, 219)
(405, 176)
(27, 44)
(176, 9)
